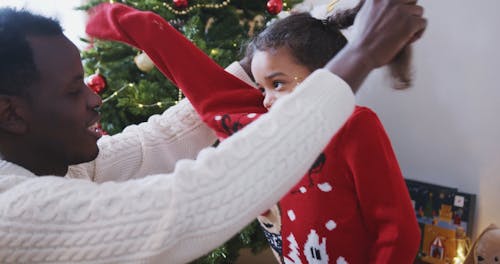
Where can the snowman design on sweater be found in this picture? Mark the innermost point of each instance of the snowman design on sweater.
(351, 207)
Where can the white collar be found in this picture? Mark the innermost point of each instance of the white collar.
(14, 169)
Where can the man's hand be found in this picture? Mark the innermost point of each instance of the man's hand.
(382, 29)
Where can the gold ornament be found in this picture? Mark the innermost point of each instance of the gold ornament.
(143, 62)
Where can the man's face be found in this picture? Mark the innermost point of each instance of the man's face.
(62, 114)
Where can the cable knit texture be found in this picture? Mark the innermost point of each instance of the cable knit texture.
(149, 148)
(174, 217)
(238, 71)
(171, 218)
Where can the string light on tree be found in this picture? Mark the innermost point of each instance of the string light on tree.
(113, 95)
(157, 104)
(214, 52)
(274, 7)
(191, 8)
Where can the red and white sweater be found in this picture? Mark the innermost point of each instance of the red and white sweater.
(352, 206)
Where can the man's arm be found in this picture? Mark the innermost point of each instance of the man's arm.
(382, 28)
(152, 147)
(149, 148)
(176, 217)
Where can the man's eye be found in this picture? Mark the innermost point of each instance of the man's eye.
(75, 91)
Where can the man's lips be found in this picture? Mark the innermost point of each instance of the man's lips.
(95, 128)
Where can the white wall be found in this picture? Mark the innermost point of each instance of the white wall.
(71, 20)
(446, 129)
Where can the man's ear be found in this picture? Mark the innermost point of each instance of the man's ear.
(13, 114)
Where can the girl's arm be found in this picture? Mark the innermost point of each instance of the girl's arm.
(223, 101)
(383, 196)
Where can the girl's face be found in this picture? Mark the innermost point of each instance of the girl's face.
(276, 73)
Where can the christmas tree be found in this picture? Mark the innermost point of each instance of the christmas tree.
(133, 89)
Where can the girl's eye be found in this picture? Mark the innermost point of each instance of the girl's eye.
(277, 85)
(262, 90)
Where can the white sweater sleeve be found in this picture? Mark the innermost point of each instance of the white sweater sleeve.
(149, 148)
(238, 71)
(154, 146)
(174, 218)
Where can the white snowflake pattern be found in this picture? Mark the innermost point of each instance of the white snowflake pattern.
(291, 215)
(325, 187)
(341, 260)
(330, 225)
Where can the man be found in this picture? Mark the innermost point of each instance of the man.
(47, 118)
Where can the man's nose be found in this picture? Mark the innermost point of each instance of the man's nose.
(94, 100)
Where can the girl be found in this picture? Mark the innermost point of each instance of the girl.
(353, 205)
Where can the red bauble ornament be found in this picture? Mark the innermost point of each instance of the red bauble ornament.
(274, 6)
(181, 4)
(96, 82)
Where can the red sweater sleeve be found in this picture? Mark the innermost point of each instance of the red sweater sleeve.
(382, 193)
(223, 101)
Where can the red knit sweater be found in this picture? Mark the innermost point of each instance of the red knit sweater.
(353, 205)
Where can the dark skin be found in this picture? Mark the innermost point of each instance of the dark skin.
(378, 21)
(50, 128)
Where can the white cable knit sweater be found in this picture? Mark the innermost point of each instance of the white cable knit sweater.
(176, 134)
(168, 218)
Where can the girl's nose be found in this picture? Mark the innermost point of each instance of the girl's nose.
(269, 100)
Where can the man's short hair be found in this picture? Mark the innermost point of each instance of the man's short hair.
(17, 67)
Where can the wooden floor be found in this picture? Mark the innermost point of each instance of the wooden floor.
(266, 257)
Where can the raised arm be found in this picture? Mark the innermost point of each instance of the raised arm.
(214, 93)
